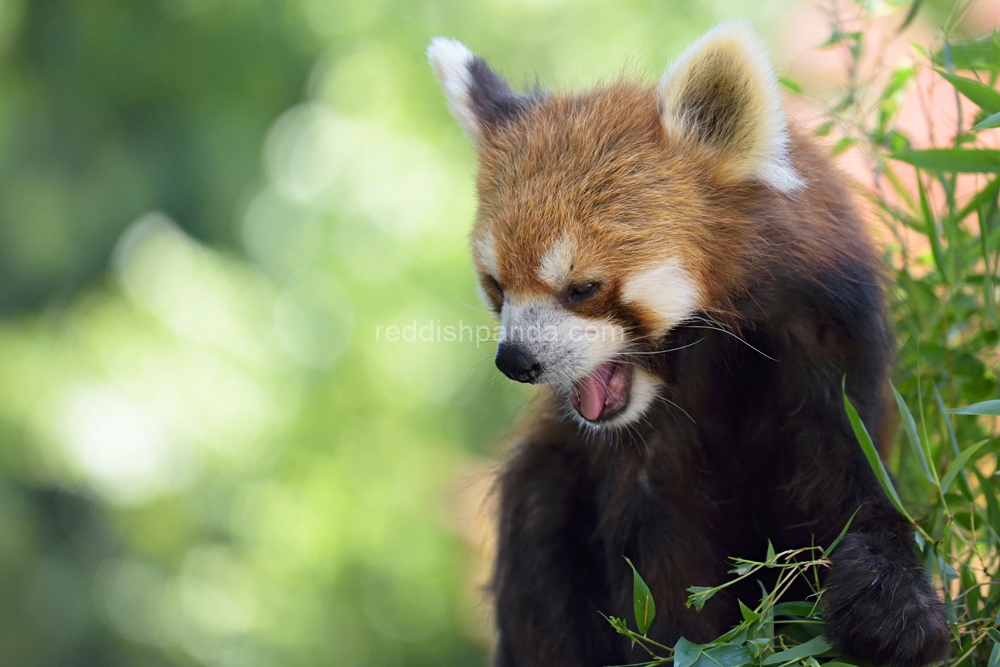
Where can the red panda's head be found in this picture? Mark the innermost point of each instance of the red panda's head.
(607, 218)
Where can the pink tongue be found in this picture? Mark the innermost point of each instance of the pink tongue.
(593, 391)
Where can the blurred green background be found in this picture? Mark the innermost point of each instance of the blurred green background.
(206, 209)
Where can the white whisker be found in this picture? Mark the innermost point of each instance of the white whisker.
(717, 327)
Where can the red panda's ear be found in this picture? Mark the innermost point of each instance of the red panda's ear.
(722, 93)
(478, 97)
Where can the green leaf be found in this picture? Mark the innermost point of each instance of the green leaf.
(770, 551)
(947, 422)
(842, 145)
(910, 426)
(758, 645)
(726, 655)
(987, 195)
(805, 609)
(736, 639)
(814, 646)
(737, 635)
(910, 15)
(948, 573)
(931, 229)
(952, 439)
(843, 531)
(790, 84)
(874, 459)
(988, 123)
(618, 624)
(949, 607)
(986, 408)
(891, 99)
(686, 653)
(994, 634)
(972, 54)
(700, 595)
(958, 160)
(992, 506)
(958, 464)
(985, 97)
(994, 656)
(987, 209)
(767, 622)
(749, 615)
(642, 601)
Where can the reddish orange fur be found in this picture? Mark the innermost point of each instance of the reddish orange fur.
(600, 164)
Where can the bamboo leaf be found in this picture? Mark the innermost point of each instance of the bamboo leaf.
(985, 97)
(973, 54)
(987, 194)
(958, 160)
(988, 123)
(952, 438)
(987, 209)
(642, 601)
(749, 615)
(910, 15)
(986, 408)
(874, 459)
(804, 609)
(842, 145)
(726, 655)
(700, 595)
(686, 653)
(790, 84)
(843, 531)
(910, 427)
(958, 464)
(931, 229)
(992, 505)
(901, 190)
(814, 646)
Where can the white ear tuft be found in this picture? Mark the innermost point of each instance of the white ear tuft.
(479, 98)
(450, 60)
(722, 92)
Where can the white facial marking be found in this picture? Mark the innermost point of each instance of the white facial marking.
(484, 252)
(482, 249)
(450, 60)
(483, 296)
(567, 346)
(556, 263)
(667, 290)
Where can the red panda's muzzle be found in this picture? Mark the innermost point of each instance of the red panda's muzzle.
(604, 393)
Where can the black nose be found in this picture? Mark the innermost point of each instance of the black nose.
(517, 363)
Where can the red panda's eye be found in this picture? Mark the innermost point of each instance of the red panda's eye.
(580, 292)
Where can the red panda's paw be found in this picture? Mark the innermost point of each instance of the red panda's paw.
(879, 608)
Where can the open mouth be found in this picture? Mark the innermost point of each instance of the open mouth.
(604, 393)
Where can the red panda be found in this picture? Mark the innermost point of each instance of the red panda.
(685, 275)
